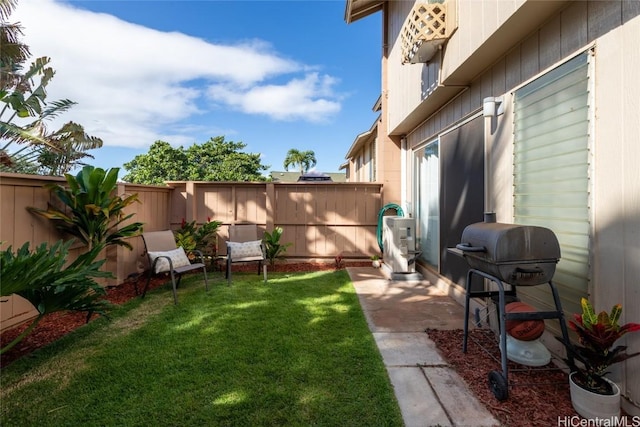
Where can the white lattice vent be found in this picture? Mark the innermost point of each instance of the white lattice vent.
(427, 27)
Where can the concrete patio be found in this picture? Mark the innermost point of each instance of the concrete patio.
(429, 392)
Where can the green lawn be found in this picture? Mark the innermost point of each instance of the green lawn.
(293, 352)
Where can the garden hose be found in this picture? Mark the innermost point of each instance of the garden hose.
(385, 208)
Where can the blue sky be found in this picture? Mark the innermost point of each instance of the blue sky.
(275, 75)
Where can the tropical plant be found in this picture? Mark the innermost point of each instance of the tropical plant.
(191, 237)
(597, 334)
(44, 279)
(215, 160)
(27, 99)
(71, 143)
(92, 212)
(304, 159)
(24, 97)
(13, 53)
(274, 250)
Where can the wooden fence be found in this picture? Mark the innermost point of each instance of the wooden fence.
(320, 220)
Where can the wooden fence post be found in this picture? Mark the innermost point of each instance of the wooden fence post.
(270, 205)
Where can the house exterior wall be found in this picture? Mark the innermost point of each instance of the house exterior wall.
(363, 164)
(501, 45)
(616, 247)
(404, 89)
(389, 148)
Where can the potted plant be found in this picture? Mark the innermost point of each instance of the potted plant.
(375, 261)
(592, 394)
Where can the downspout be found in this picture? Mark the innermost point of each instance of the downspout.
(492, 108)
(488, 139)
(404, 174)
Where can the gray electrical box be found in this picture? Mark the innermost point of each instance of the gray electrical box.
(399, 244)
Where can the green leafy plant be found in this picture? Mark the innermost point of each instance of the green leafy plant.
(43, 278)
(203, 238)
(597, 334)
(375, 257)
(273, 248)
(92, 212)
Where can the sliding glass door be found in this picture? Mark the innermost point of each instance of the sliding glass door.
(427, 197)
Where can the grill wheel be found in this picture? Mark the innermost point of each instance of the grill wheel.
(498, 385)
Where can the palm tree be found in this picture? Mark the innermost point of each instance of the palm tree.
(22, 97)
(13, 84)
(13, 53)
(305, 159)
(70, 141)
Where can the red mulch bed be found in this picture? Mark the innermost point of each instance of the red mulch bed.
(537, 396)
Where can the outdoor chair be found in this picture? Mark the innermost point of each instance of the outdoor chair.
(244, 246)
(165, 256)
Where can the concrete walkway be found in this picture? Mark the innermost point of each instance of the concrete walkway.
(429, 392)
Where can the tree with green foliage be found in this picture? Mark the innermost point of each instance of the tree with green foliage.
(45, 279)
(161, 163)
(304, 159)
(71, 143)
(22, 96)
(22, 100)
(92, 212)
(215, 160)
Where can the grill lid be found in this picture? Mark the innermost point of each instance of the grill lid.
(509, 243)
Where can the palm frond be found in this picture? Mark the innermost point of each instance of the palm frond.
(56, 108)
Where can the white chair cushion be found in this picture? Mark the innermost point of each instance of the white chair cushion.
(251, 249)
(178, 259)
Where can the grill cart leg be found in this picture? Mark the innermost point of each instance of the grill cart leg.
(560, 317)
(497, 391)
(467, 299)
(498, 381)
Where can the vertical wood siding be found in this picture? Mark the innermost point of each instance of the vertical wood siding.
(614, 28)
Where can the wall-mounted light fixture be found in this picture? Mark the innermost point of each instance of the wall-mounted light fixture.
(493, 106)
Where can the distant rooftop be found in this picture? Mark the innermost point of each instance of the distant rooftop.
(279, 176)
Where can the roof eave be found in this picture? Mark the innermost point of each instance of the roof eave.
(357, 9)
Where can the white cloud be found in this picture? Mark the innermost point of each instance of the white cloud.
(298, 99)
(135, 84)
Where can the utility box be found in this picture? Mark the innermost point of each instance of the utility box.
(399, 244)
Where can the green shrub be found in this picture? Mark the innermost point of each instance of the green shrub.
(43, 278)
(92, 213)
(191, 237)
(273, 248)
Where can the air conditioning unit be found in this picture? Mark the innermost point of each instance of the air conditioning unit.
(399, 247)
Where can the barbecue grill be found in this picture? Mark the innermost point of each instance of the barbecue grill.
(519, 255)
